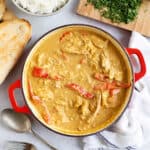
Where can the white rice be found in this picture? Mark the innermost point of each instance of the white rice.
(41, 6)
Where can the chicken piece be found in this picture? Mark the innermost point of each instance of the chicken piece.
(110, 67)
(115, 73)
(76, 43)
(72, 43)
(78, 102)
(94, 60)
(65, 119)
(63, 116)
(97, 110)
(105, 96)
(112, 102)
(84, 110)
(44, 93)
(109, 101)
(118, 75)
(61, 102)
(105, 62)
(99, 43)
(40, 59)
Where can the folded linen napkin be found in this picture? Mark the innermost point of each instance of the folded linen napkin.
(133, 128)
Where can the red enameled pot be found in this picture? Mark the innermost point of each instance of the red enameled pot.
(128, 52)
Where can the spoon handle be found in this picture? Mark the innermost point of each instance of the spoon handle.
(42, 140)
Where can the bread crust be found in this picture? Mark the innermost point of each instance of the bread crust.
(9, 15)
(2, 8)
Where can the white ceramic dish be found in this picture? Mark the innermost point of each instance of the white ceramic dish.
(39, 14)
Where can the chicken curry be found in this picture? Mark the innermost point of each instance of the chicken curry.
(77, 80)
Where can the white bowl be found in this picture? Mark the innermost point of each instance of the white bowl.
(39, 14)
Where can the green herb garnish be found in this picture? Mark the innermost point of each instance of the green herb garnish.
(117, 10)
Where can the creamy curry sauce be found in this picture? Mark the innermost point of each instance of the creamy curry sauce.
(77, 81)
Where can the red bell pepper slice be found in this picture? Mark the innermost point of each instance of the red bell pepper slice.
(64, 34)
(46, 117)
(42, 73)
(122, 85)
(45, 114)
(39, 72)
(80, 90)
(35, 98)
(107, 85)
(111, 85)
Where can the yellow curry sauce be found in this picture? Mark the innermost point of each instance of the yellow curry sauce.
(77, 81)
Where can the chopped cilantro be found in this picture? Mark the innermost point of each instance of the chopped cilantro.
(117, 10)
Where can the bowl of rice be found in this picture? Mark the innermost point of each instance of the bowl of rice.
(40, 7)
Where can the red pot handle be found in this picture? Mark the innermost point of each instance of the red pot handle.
(140, 74)
(16, 107)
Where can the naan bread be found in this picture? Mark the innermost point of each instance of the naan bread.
(14, 35)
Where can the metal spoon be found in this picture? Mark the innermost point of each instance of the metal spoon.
(20, 123)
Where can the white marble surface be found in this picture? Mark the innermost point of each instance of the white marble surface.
(40, 26)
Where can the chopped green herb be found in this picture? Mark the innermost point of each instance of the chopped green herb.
(117, 10)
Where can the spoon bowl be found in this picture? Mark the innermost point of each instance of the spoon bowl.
(21, 123)
(16, 121)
